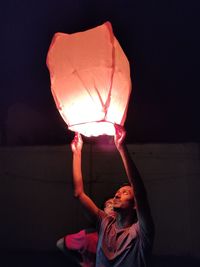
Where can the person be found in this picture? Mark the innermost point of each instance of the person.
(125, 240)
(80, 248)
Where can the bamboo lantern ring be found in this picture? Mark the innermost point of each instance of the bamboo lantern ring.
(90, 80)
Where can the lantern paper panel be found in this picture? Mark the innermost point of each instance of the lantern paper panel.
(90, 80)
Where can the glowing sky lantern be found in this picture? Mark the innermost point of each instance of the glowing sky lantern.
(90, 80)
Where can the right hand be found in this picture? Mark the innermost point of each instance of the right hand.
(77, 143)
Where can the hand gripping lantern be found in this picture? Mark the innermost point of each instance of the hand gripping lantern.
(90, 80)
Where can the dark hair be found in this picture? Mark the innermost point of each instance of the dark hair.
(124, 184)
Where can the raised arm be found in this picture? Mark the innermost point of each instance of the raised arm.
(79, 193)
(142, 206)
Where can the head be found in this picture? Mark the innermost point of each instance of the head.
(108, 207)
(124, 199)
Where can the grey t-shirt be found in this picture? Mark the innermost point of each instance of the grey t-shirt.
(123, 247)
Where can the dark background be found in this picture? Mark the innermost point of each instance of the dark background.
(160, 38)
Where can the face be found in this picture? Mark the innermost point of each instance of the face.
(108, 207)
(124, 198)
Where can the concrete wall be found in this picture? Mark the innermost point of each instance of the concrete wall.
(37, 205)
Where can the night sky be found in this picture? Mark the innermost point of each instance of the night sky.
(160, 38)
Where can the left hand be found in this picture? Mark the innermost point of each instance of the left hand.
(77, 143)
(120, 134)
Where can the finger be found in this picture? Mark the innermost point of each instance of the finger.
(79, 137)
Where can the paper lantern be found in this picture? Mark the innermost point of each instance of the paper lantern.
(90, 80)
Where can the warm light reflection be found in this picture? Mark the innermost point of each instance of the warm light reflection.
(94, 128)
(90, 80)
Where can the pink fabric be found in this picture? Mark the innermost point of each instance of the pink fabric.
(75, 241)
(86, 244)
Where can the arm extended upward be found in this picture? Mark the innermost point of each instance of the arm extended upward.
(142, 206)
(79, 193)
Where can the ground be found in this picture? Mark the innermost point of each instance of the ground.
(50, 259)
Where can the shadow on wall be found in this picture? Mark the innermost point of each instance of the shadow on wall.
(174, 261)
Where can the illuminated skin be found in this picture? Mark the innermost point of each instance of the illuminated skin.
(130, 205)
(123, 203)
(124, 198)
(108, 207)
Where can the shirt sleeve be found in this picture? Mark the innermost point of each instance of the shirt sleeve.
(101, 215)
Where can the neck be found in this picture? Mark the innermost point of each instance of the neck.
(125, 219)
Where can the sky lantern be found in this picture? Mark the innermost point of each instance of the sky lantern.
(90, 80)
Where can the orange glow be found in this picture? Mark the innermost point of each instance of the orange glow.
(90, 80)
